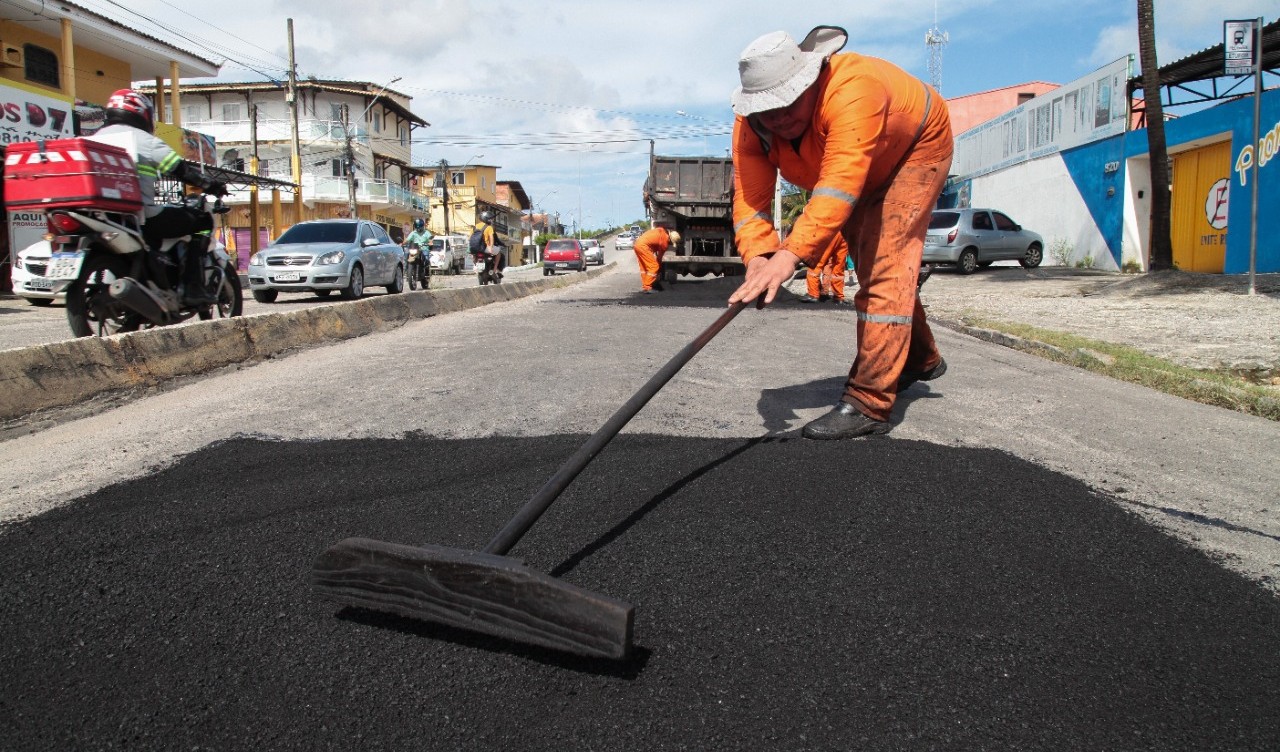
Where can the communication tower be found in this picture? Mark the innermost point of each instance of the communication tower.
(935, 39)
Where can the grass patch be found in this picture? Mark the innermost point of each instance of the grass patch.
(1129, 364)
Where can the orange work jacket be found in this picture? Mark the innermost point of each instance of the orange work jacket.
(655, 241)
(870, 117)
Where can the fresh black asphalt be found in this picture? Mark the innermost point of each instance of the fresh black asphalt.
(873, 594)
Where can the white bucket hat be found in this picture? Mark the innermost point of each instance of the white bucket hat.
(775, 70)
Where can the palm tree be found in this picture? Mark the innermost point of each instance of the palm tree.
(1161, 245)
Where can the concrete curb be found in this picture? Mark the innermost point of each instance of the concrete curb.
(65, 373)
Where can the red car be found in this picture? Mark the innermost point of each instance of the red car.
(564, 253)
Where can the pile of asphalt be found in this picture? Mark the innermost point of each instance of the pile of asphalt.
(789, 595)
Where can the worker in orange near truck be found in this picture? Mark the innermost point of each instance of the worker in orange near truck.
(649, 249)
(873, 145)
(826, 280)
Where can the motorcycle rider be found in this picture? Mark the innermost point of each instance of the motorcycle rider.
(130, 118)
(421, 237)
(493, 245)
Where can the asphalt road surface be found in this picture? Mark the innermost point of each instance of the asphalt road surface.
(1035, 558)
(23, 324)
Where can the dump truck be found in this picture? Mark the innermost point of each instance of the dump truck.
(694, 195)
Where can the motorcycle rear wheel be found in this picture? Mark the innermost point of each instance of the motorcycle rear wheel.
(90, 308)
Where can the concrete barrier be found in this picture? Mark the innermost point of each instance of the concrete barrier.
(65, 373)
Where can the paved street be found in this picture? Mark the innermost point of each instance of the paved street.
(23, 325)
(1035, 557)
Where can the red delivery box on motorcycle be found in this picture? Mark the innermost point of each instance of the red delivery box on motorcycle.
(69, 173)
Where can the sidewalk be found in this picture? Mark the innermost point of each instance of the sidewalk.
(1204, 321)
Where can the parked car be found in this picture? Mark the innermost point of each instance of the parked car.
(323, 255)
(624, 241)
(450, 258)
(29, 280)
(594, 252)
(563, 253)
(973, 238)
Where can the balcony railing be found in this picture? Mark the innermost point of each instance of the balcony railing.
(310, 132)
(380, 194)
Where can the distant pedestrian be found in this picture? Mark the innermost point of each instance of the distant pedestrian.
(826, 281)
(872, 144)
(649, 249)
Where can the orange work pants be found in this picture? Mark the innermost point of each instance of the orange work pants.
(827, 278)
(886, 237)
(649, 264)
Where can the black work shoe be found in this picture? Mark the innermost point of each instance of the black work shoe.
(808, 299)
(910, 377)
(844, 422)
(842, 301)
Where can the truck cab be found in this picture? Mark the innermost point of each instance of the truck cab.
(448, 254)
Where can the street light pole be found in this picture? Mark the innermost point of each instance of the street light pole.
(532, 222)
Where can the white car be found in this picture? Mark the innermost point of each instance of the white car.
(593, 252)
(624, 241)
(29, 281)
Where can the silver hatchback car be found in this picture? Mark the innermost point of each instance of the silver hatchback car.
(324, 255)
(973, 238)
(593, 252)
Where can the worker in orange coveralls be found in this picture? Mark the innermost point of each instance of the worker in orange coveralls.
(872, 144)
(826, 281)
(649, 248)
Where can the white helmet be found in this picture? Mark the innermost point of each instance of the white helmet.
(674, 237)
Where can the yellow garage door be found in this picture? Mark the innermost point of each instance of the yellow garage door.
(1201, 182)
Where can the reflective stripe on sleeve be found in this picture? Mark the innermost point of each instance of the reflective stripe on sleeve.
(836, 193)
(169, 162)
(757, 215)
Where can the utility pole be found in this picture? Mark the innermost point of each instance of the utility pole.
(296, 153)
(350, 162)
(254, 214)
(444, 193)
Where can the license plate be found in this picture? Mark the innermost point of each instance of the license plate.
(40, 283)
(65, 265)
(562, 264)
(287, 277)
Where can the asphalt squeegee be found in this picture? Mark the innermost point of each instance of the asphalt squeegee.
(486, 591)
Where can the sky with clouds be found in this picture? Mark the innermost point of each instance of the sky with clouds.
(566, 95)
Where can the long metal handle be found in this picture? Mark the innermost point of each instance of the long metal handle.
(535, 506)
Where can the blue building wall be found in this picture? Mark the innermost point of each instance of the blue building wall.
(1235, 118)
(1097, 169)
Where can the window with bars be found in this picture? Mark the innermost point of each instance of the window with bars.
(41, 65)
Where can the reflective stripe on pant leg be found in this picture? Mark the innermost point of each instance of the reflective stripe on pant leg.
(837, 272)
(813, 282)
(889, 238)
(648, 268)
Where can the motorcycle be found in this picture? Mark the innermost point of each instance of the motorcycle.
(418, 267)
(118, 284)
(485, 271)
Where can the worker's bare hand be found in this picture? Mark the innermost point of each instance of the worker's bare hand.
(765, 275)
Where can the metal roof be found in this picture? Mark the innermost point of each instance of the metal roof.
(1207, 66)
(356, 88)
(147, 56)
